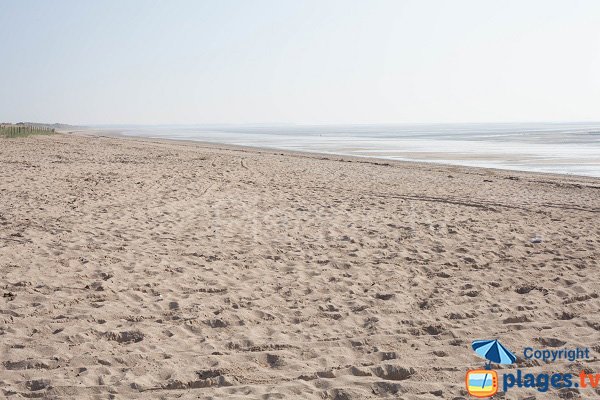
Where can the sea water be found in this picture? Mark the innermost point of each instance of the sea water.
(565, 148)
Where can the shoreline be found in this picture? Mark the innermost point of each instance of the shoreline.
(585, 179)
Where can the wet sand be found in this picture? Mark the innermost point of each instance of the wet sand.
(139, 268)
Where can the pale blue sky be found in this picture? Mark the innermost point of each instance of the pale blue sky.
(283, 61)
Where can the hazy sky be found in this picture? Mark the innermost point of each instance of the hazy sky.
(301, 61)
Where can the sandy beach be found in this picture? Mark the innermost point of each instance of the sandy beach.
(139, 268)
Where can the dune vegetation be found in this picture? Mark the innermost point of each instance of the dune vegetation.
(21, 130)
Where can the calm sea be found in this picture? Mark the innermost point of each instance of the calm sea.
(566, 148)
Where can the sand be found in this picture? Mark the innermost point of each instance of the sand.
(137, 268)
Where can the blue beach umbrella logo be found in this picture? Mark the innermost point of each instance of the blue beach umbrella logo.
(483, 383)
(493, 351)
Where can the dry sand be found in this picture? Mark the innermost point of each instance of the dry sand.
(136, 268)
